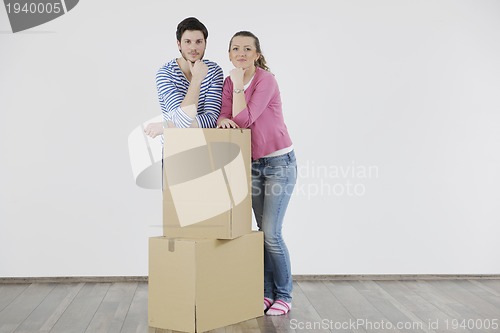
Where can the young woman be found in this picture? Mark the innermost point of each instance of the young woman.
(251, 99)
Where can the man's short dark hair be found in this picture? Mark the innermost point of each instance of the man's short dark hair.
(191, 24)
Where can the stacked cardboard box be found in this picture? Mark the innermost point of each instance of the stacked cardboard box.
(206, 271)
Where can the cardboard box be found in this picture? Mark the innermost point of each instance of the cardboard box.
(197, 285)
(206, 183)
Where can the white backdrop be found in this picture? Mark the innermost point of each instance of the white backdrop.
(393, 107)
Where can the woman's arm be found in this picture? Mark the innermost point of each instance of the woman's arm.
(238, 93)
(227, 101)
(265, 90)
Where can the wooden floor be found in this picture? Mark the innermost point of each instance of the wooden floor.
(318, 306)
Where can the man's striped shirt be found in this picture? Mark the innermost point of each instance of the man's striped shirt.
(172, 87)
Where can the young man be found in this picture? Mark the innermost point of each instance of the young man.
(189, 87)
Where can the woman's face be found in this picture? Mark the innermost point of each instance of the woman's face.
(242, 52)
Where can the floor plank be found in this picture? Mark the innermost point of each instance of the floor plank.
(490, 284)
(492, 289)
(122, 307)
(368, 317)
(328, 307)
(9, 292)
(479, 307)
(471, 297)
(80, 312)
(21, 307)
(425, 311)
(396, 314)
(110, 315)
(249, 326)
(136, 320)
(43, 318)
(266, 325)
(446, 304)
(302, 311)
(481, 293)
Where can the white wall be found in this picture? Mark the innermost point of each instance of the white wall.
(403, 93)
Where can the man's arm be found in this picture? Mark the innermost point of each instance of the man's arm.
(170, 98)
(198, 72)
(213, 100)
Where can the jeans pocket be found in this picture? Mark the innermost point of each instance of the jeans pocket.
(278, 161)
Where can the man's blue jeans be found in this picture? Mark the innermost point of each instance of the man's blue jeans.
(273, 180)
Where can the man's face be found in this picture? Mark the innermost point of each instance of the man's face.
(192, 45)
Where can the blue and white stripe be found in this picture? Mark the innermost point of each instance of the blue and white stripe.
(172, 87)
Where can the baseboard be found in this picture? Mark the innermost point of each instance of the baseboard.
(74, 279)
(298, 278)
(398, 277)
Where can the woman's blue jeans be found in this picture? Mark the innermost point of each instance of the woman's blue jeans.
(273, 180)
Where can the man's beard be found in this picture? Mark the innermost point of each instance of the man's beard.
(185, 58)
